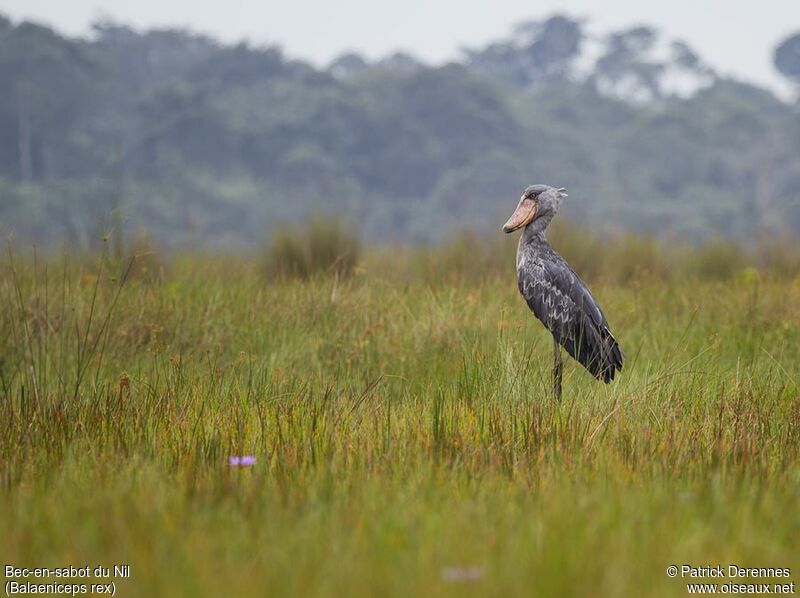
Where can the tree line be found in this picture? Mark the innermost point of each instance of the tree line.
(200, 142)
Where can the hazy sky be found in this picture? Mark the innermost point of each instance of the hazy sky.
(735, 36)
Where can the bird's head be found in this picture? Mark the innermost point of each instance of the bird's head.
(538, 203)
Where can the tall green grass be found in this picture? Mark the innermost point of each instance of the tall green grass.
(401, 418)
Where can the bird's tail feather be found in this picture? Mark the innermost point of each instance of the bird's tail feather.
(598, 351)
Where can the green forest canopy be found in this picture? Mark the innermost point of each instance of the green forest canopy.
(198, 142)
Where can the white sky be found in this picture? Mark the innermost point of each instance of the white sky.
(735, 36)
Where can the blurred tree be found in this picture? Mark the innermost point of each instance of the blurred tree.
(537, 52)
(196, 140)
(47, 78)
(348, 65)
(787, 58)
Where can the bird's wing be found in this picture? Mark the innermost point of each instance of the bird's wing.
(561, 300)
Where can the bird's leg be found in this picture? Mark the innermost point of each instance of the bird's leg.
(558, 367)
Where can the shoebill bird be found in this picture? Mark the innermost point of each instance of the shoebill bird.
(556, 295)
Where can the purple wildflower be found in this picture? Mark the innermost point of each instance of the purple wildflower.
(242, 461)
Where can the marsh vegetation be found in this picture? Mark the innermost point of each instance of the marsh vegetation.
(400, 421)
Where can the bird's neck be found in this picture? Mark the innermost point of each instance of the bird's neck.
(535, 232)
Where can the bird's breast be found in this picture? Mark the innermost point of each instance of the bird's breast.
(527, 274)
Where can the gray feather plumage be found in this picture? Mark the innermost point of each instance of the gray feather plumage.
(562, 302)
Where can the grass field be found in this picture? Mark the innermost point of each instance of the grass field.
(405, 439)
